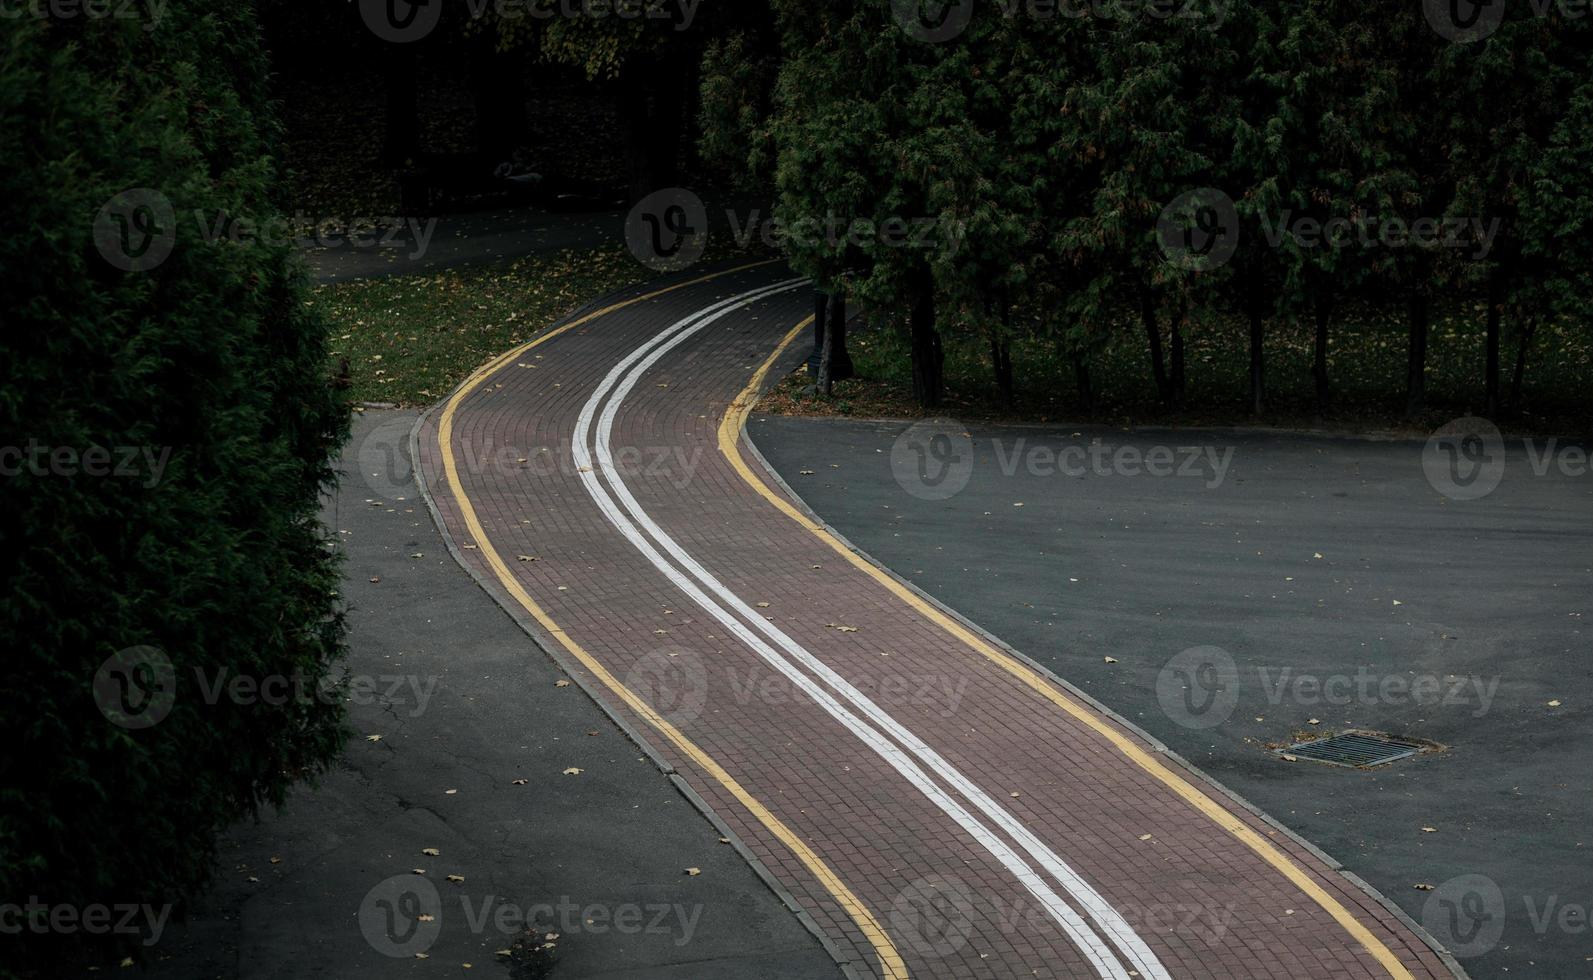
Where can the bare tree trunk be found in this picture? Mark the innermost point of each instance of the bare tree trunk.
(1175, 380)
(1529, 327)
(833, 364)
(1319, 355)
(835, 332)
(1153, 334)
(1081, 377)
(1001, 353)
(927, 356)
(1416, 368)
(1491, 404)
(1258, 332)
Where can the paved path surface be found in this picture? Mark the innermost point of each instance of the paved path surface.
(934, 804)
(475, 736)
(1339, 585)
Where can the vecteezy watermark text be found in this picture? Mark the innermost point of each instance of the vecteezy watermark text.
(934, 459)
(150, 11)
(406, 21)
(1206, 463)
(404, 915)
(1200, 688)
(145, 463)
(668, 230)
(137, 229)
(95, 919)
(137, 688)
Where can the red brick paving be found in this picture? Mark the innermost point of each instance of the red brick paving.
(1205, 903)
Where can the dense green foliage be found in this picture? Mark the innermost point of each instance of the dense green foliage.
(205, 545)
(1060, 148)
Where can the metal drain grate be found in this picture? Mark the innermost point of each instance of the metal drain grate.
(1358, 750)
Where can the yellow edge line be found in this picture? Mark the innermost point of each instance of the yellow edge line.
(730, 430)
(891, 961)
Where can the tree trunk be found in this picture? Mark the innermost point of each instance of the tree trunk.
(1416, 368)
(1001, 358)
(1001, 354)
(835, 329)
(1529, 327)
(1153, 334)
(1081, 377)
(834, 365)
(1175, 380)
(1258, 362)
(927, 356)
(1490, 401)
(1319, 370)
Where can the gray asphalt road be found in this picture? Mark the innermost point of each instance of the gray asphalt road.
(1321, 585)
(465, 706)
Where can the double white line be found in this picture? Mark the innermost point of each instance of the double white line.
(902, 750)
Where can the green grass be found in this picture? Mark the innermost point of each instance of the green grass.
(410, 339)
(1366, 367)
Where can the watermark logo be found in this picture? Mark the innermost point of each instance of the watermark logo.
(1464, 21)
(135, 688)
(383, 459)
(930, 234)
(1465, 460)
(673, 681)
(1199, 230)
(147, 464)
(1206, 463)
(934, 915)
(1199, 688)
(136, 230)
(146, 922)
(942, 694)
(667, 230)
(401, 21)
(401, 916)
(932, 460)
(150, 11)
(1473, 234)
(933, 21)
(1466, 914)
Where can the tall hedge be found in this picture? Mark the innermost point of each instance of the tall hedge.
(211, 554)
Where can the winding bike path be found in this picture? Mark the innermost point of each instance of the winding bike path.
(932, 803)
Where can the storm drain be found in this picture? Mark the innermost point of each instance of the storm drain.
(1357, 750)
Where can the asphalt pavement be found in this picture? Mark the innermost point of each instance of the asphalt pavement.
(464, 744)
(1235, 592)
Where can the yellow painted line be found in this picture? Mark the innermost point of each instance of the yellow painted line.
(730, 429)
(891, 963)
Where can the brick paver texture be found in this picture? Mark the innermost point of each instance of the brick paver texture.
(1205, 903)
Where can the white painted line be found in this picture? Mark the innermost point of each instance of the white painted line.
(1138, 954)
